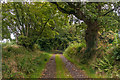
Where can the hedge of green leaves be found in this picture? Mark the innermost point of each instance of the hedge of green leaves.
(53, 43)
(75, 50)
(26, 41)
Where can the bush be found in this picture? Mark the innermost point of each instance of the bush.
(11, 50)
(75, 50)
(52, 44)
(26, 41)
(36, 47)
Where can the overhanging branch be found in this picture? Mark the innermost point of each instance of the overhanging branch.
(63, 10)
(108, 12)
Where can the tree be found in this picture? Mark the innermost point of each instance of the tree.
(93, 15)
(31, 21)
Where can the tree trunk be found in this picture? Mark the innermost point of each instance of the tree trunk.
(91, 39)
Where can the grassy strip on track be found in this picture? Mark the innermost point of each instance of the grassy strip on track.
(61, 71)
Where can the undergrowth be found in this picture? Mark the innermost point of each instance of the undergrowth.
(19, 62)
(109, 64)
(104, 64)
(75, 51)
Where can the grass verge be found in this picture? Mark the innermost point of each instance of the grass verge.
(40, 68)
(18, 62)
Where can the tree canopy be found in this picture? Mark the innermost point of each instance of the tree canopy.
(40, 19)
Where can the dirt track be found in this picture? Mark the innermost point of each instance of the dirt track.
(50, 71)
(74, 71)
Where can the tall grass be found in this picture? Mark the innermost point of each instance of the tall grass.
(104, 64)
(19, 62)
(109, 63)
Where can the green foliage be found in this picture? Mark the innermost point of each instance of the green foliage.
(26, 41)
(108, 40)
(53, 43)
(36, 47)
(108, 63)
(107, 37)
(115, 42)
(75, 50)
(108, 66)
(18, 62)
(104, 64)
(55, 31)
(10, 50)
(34, 19)
(116, 53)
(26, 64)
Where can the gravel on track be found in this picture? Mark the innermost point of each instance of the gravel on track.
(74, 71)
(50, 70)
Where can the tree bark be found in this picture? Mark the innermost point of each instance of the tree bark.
(91, 36)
